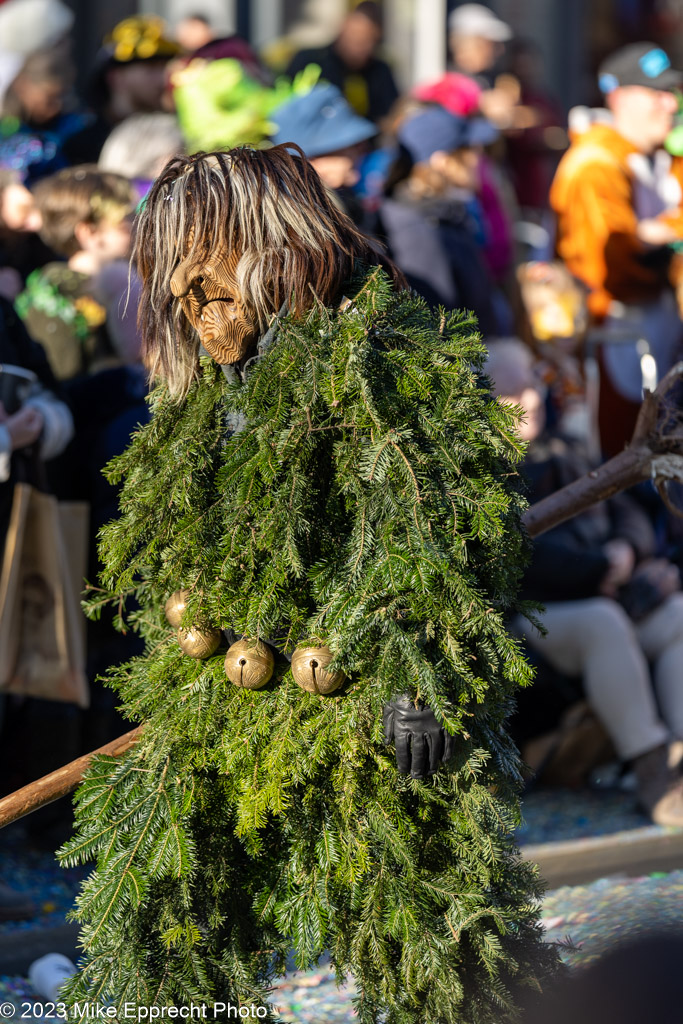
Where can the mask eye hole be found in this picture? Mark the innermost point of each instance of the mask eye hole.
(197, 294)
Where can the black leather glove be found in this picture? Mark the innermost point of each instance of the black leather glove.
(421, 741)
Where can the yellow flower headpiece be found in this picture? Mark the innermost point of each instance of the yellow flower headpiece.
(140, 38)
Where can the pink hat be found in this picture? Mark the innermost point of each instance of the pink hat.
(457, 93)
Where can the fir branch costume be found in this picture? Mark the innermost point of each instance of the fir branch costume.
(368, 502)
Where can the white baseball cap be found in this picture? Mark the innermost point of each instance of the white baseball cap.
(10, 66)
(30, 25)
(478, 20)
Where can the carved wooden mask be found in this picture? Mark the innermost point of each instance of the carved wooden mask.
(206, 286)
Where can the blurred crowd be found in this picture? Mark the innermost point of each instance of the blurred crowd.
(561, 234)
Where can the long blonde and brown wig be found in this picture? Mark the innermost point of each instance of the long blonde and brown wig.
(297, 246)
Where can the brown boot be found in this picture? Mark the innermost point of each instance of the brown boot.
(660, 791)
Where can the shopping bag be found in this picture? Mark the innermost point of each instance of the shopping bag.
(42, 632)
(74, 521)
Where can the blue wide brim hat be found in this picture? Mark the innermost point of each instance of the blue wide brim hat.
(437, 130)
(320, 122)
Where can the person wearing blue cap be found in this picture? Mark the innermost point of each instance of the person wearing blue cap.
(332, 137)
(448, 143)
(431, 218)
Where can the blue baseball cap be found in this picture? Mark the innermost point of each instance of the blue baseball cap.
(320, 122)
(436, 129)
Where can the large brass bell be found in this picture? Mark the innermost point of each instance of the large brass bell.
(199, 642)
(309, 668)
(249, 665)
(175, 607)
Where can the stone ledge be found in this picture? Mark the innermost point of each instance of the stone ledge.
(638, 851)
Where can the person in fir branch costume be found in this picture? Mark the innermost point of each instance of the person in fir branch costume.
(331, 491)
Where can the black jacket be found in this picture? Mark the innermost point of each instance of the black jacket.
(376, 75)
(18, 349)
(568, 562)
(431, 243)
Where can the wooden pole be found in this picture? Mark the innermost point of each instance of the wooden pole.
(625, 470)
(655, 452)
(59, 783)
(429, 40)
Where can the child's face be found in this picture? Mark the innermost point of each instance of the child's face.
(110, 240)
(18, 210)
(41, 101)
(532, 401)
(336, 169)
(462, 168)
(139, 86)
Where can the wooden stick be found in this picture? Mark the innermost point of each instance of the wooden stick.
(625, 470)
(656, 451)
(59, 783)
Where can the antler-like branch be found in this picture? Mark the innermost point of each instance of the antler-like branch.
(655, 452)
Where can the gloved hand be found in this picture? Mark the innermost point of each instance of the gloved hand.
(421, 741)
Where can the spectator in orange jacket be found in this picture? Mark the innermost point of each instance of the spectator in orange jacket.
(618, 197)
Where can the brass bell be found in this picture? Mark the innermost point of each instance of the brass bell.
(175, 607)
(199, 642)
(249, 665)
(309, 668)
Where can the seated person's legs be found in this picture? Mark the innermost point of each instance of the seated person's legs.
(596, 640)
(661, 638)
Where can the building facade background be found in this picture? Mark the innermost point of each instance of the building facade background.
(573, 35)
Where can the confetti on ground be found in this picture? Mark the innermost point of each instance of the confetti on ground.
(314, 997)
(15, 991)
(551, 815)
(37, 873)
(594, 917)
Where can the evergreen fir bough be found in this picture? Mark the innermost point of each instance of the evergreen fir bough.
(369, 503)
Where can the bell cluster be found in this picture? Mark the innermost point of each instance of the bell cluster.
(250, 664)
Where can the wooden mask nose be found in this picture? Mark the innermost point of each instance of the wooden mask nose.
(181, 279)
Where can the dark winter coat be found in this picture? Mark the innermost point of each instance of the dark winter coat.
(569, 562)
(376, 77)
(17, 349)
(432, 244)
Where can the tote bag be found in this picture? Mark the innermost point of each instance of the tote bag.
(42, 628)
